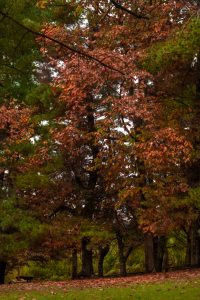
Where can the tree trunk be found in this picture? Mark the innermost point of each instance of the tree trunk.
(159, 243)
(122, 256)
(149, 253)
(188, 251)
(87, 264)
(165, 263)
(122, 266)
(2, 271)
(102, 253)
(122, 261)
(74, 264)
(155, 248)
(193, 246)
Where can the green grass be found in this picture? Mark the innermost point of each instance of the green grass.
(168, 290)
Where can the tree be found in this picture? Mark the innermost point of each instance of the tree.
(16, 222)
(109, 119)
(114, 134)
(181, 70)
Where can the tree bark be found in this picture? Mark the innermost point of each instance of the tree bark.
(165, 263)
(74, 264)
(87, 262)
(188, 251)
(149, 253)
(193, 246)
(155, 248)
(159, 243)
(122, 262)
(122, 256)
(102, 253)
(2, 271)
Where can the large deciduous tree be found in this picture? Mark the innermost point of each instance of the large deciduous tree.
(114, 133)
(118, 145)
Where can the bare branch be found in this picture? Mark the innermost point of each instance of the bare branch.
(74, 50)
(130, 12)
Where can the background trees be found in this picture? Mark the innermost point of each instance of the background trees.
(113, 126)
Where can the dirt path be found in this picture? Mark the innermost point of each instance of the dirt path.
(105, 282)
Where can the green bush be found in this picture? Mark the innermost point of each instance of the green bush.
(51, 270)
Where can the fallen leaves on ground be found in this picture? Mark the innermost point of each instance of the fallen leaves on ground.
(102, 282)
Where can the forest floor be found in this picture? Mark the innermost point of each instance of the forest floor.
(185, 283)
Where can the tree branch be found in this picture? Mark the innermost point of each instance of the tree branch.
(14, 68)
(77, 51)
(130, 12)
(60, 208)
(127, 130)
(129, 250)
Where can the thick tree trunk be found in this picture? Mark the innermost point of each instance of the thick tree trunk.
(165, 263)
(87, 263)
(2, 271)
(149, 253)
(102, 253)
(155, 251)
(74, 264)
(193, 246)
(122, 266)
(159, 243)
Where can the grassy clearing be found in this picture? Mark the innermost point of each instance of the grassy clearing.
(168, 290)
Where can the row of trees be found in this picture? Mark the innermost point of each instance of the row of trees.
(99, 130)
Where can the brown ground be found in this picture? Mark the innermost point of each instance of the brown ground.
(105, 282)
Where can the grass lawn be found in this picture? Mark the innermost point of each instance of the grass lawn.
(166, 290)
